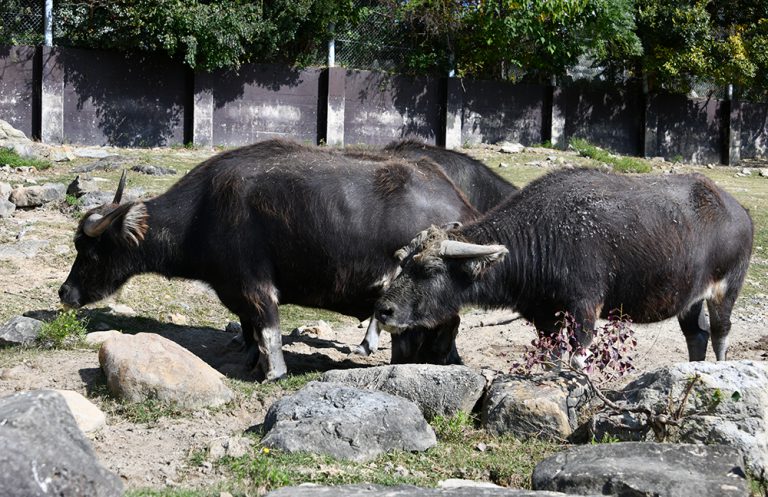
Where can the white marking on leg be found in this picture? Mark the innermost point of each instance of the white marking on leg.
(370, 343)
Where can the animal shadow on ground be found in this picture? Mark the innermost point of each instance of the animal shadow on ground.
(221, 350)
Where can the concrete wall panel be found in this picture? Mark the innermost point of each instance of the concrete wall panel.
(17, 87)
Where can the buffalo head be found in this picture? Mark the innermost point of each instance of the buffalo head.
(105, 240)
(436, 278)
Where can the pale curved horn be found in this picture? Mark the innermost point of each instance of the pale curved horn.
(95, 224)
(120, 188)
(462, 250)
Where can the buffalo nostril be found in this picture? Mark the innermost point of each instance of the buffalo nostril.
(384, 312)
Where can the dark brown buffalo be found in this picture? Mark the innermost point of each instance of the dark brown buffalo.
(268, 224)
(587, 242)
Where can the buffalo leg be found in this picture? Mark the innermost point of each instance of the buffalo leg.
(427, 346)
(694, 326)
(261, 330)
(370, 343)
(720, 323)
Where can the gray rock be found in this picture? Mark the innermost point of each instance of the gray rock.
(511, 148)
(639, 468)
(20, 330)
(148, 366)
(24, 249)
(5, 191)
(95, 199)
(88, 417)
(35, 196)
(346, 423)
(543, 405)
(437, 390)
(82, 185)
(368, 490)
(8, 132)
(729, 406)
(42, 451)
(7, 208)
(153, 170)
(93, 153)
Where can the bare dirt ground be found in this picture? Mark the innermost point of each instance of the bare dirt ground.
(158, 453)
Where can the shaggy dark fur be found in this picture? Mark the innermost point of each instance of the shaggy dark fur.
(589, 242)
(275, 222)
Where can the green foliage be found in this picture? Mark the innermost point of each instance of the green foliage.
(606, 439)
(619, 164)
(453, 429)
(11, 158)
(65, 331)
(72, 200)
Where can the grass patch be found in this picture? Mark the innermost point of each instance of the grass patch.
(462, 452)
(620, 164)
(273, 389)
(66, 331)
(168, 492)
(11, 158)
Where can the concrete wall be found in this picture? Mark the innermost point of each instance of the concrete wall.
(257, 102)
(95, 97)
(380, 108)
(104, 98)
(17, 87)
(677, 126)
(608, 116)
(496, 111)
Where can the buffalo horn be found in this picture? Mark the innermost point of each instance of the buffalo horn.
(462, 250)
(95, 224)
(120, 188)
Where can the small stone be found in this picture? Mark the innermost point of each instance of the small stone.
(511, 148)
(20, 330)
(88, 417)
(97, 338)
(746, 171)
(459, 483)
(121, 310)
(481, 447)
(5, 191)
(7, 208)
(320, 328)
(764, 172)
(503, 165)
(178, 319)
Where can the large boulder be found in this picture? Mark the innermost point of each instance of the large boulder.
(644, 468)
(542, 405)
(20, 330)
(43, 453)
(309, 490)
(437, 390)
(144, 366)
(37, 195)
(727, 404)
(346, 423)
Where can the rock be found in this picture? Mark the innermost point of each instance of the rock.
(178, 319)
(320, 328)
(42, 451)
(82, 185)
(345, 423)
(728, 405)
(35, 196)
(93, 153)
(94, 199)
(24, 249)
(153, 170)
(231, 447)
(437, 390)
(638, 468)
(543, 405)
(143, 366)
(746, 171)
(121, 310)
(8, 132)
(764, 172)
(511, 148)
(503, 165)
(88, 417)
(233, 327)
(99, 337)
(459, 483)
(369, 490)
(5, 191)
(20, 330)
(7, 208)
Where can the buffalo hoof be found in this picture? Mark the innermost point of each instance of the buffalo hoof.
(362, 350)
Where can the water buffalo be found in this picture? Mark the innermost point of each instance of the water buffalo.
(586, 242)
(268, 224)
(484, 190)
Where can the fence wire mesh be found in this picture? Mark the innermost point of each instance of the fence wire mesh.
(21, 22)
(374, 41)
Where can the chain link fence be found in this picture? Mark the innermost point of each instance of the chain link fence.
(21, 22)
(373, 41)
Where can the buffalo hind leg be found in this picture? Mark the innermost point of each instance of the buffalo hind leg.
(720, 322)
(261, 331)
(694, 326)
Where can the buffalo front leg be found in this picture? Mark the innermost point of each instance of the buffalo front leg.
(427, 345)
(370, 343)
(261, 330)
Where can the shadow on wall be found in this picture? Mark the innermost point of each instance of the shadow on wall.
(605, 114)
(382, 107)
(496, 111)
(17, 87)
(229, 86)
(127, 100)
(753, 124)
(688, 128)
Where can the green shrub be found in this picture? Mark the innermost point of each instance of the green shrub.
(453, 428)
(11, 158)
(630, 165)
(63, 332)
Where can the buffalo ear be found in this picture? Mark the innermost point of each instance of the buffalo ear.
(135, 223)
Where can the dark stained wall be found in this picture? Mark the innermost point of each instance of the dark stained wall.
(262, 101)
(608, 116)
(380, 108)
(495, 111)
(17, 87)
(752, 129)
